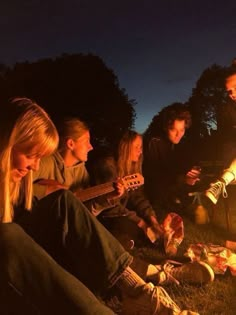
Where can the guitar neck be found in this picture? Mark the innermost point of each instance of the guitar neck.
(95, 191)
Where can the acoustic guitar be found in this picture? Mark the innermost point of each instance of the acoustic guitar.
(130, 182)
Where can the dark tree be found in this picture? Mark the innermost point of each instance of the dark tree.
(206, 106)
(78, 85)
(207, 101)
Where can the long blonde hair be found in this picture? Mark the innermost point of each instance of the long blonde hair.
(24, 126)
(124, 163)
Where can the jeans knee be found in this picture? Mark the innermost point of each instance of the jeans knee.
(70, 201)
(10, 234)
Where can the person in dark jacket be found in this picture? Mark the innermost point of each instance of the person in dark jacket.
(168, 169)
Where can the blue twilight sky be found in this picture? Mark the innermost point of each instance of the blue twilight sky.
(157, 48)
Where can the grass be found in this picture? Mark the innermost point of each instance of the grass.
(217, 297)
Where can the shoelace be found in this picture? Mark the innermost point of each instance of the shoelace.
(154, 296)
(224, 192)
(219, 185)
(163, 298)
(167, 268)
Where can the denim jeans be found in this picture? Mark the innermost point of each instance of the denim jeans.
(62, 258)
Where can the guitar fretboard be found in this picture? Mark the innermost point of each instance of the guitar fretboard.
(95, 191)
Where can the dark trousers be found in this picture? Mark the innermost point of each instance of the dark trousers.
(58, 258)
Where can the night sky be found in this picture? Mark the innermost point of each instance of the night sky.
(157, 48)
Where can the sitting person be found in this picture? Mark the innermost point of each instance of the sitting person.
(66, 167)
(128, 162)
(168, 174)
(134, 205)
(55, 255)
(228, 126)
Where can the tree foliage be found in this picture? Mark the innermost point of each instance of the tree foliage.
(207, 101)
(206, 106)
(81, 85)
(75, 85)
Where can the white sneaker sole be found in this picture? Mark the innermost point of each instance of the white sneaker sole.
(211, 197)
(210, 271)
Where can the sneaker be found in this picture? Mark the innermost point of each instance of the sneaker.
(152, 300)
(197, 273)
(215, 190)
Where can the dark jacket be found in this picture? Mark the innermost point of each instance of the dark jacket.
(164, 169)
